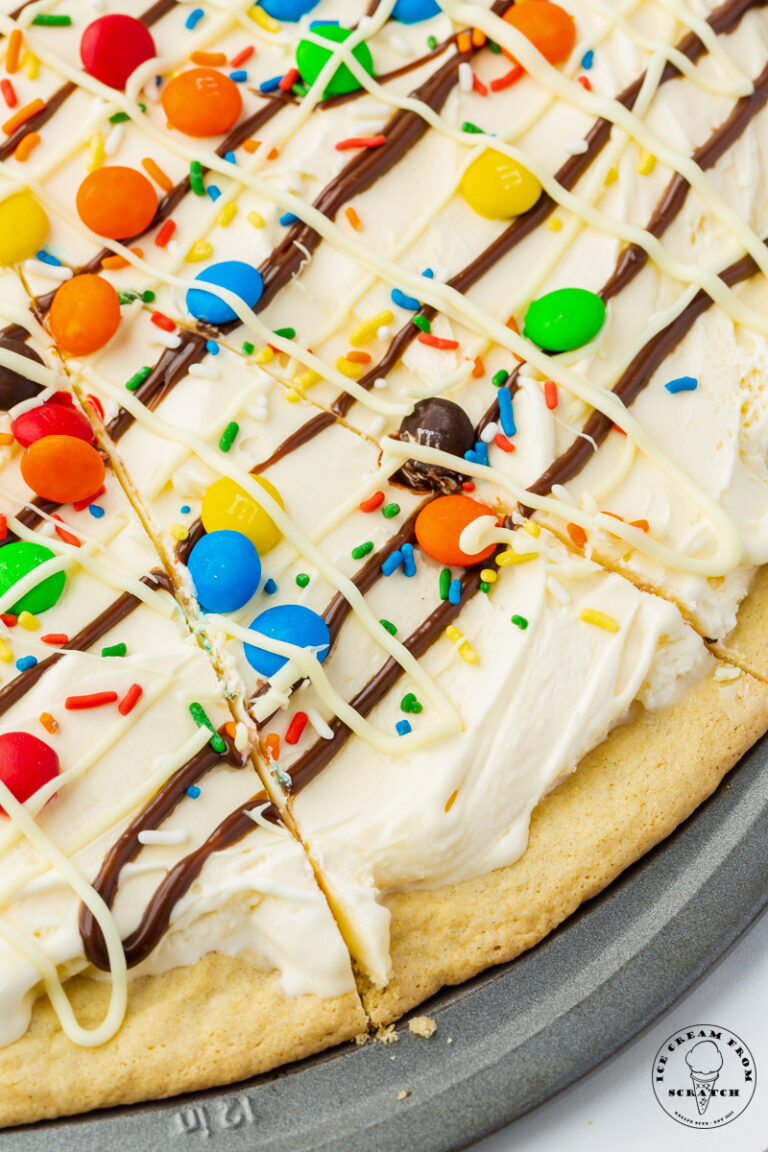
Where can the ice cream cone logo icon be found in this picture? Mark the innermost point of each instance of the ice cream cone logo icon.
(704, 1061)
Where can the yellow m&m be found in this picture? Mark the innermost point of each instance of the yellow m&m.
(499, 188)
(228, 506)
(23, 228)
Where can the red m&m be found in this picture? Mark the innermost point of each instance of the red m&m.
(113, 46)
(26, 764)
(50, 419)
(116, 202)
(202, 102)
(440, 524)
(84, 315)
(62, 468)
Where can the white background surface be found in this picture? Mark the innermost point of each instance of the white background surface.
(614, 1109)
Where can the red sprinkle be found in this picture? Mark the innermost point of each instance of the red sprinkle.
(67, 537)
(468, 485)
(3, 525)
(437, 341)
(130, 700)
(584, 81)
(9, 93)
(165, 233)
(92, 700)
(96, 404)
(287, 82)
(550, 394)
(373, 502)
(56, 639)
(501, 441)
(360, 142)
(478, 85)
(79, 505)
(241, 57)
(162, 321)
(8, 619)
(619, 430)
(295, 728)
(508, 79)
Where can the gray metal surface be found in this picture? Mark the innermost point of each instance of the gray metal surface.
(505, 1042)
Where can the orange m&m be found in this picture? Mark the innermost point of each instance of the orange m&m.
(202, 102)
(116, 202)
(62, 468)
(548, 27)
(440, 524)
(84, 315)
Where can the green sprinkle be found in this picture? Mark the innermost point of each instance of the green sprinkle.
(196, 178)
(494, 47)
(127, 297)
(468, 126)
(138, 378)
(228, 436)
(302, 579)
(200, 718)
(248, 348)
(445, 583)
(423, 323)
(142, 105)
(119, 118)
(48, 20)
(484, 587)
(148, 296)
(362, 550)
(115, 650)
(409, 703)
(390, 627)
(499, 378)
(520, 622)
(432, 42)
(299, 90)
(390, 510)
(286, 333)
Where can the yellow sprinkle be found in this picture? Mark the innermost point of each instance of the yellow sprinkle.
(554, 223)
(5, 653)
(264, 355)
(347, 368)
(96, 158)
(307, 379)
(263, 19)
(531, 528)
(227, 215)
(200, 250)
(467, 653)
(646, 163)
(256, 219)
(510, 557)
(178, 531)
(292, 396)
(451, 800)
(28, 621)
(611, 175)
(599, 619)
(366, 331)
(31, 65)
(489, 575)
(453, 634)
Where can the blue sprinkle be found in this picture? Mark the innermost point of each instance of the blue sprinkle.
(271, 85)
(481, 452)
(587, 60)
(472, 457)
(403, 301)
(506, 415)
(403, 728)
(185, 509)
(288, 218)
(315, 24)
(193, 791)
(212, 347)
(270, 587)
(214, 192)
(194, 18)
(428, 273)
(230, 158)
(47, 258)
(158, 81)
(409, 564)
(454, 592)
(96, 511)
(239, 75)
(25, 662)
(682, 384)
(392, 563)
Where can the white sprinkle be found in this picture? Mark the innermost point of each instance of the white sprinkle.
(207, 371)
(384, 334)
(562, 493)
(725, 672)
(241, 737)
(465, 77)
(376, 426)
(489, 432)
(158, 836)
(114, 140)
(257, 409)
(577, 148)
(51, 271)
(167, 339)
(557, 590)
(398, 44)
(316, 721)
(151, 91)
(380, 382)
(256, 814)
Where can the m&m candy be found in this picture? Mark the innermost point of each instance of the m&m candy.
(440, 524)
(62, 468)
(242, 279)
(50, 419)
(202, 102)
(414, 11)
(497, 187)
(116, 202)
(548, 26)
(15, 387)
(26, 764)
(113, 46)
(17, 560)
(564, 319)
(311, 59)
(291, 10)
(228, 506)
(292, 623)
(225, 569)
(23, 228)
(84, 315)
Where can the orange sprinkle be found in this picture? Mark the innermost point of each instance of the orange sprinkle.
(353, 218)
(478, 368)
(577, 535)
(23, 114)
(6, 438)
(273, 154)
(550, 394)
(112, 263)
(26, 146)
(478, 37)
(512, 324)
(231, 729)
(48, 722)
(157, 174)
(13, 55)
(208, 59)
(451, 800)
(251, 145)
(464, 42)
(355, 357)
(643, 525)
(272, 745)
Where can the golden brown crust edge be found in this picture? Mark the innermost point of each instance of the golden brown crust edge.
(215, 1022)
(626, 795)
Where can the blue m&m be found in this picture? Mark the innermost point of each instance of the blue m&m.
(225, 569)
(292, 623)
(288, 9)
(242, 279)
(414, 11)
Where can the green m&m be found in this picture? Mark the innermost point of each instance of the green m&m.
(564, 319)
(18, 560)
(311, 58)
